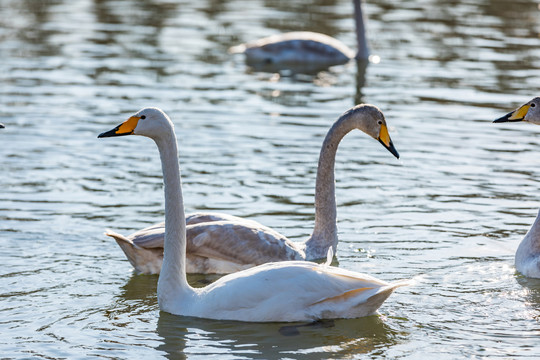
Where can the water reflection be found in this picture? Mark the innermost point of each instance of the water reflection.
(144, 287)
(361, 68)
(272, 340)
(141, 288)
(290, 70)
(533, 293)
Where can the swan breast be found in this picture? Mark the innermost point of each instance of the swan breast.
(528, 256)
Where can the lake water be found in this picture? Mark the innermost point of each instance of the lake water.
(449, 214)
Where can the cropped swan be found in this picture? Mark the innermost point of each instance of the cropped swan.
(528, 253)
(306, 47)
(220, 243)
(279, 291)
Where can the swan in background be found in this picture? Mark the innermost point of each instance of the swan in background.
(220, 243)
(2, 126)
(278, 291)
(304, 47)
(528, 253)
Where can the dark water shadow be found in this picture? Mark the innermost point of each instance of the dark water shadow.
(141, 290)
(317, 340)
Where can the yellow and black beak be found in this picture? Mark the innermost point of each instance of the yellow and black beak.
(384, 139)
(125, 128)
(514, 116)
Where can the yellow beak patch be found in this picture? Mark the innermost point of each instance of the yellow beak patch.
(384, 137)
(520, 113)
(128, 126)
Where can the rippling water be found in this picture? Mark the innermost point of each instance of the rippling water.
(449, 214)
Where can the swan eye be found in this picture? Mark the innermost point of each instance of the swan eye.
(143, 117)
(379, 122)
(533, 105)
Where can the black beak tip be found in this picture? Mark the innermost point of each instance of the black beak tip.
(501, 120)
(390, 148)
(506, 118)
(109, 133)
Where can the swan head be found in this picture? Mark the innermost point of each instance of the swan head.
(370, 120)
(529, 112)
(151, 122)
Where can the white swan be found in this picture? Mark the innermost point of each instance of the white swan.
(306, 47)
(528, 253)
(230, 243)
(280, 291)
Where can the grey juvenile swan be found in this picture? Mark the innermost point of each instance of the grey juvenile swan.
(306, 47)
(219, 243)
(528, 253)
(277, 291)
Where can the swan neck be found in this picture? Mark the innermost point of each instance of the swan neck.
(363, 49)
(172, 279)
(325, 230)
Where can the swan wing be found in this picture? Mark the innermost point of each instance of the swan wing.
(216, 243)
(244, 242)
(153, 236)
(200, 217)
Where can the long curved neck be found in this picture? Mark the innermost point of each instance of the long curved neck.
(363, 49)
(325, 230)
(172, 278)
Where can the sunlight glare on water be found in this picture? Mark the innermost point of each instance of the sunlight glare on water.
(449, 214)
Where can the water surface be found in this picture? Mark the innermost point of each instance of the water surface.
(450, 213)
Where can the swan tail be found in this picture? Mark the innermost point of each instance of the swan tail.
(119, 237)
(355, 303)
(145, 261)
(376, 300)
